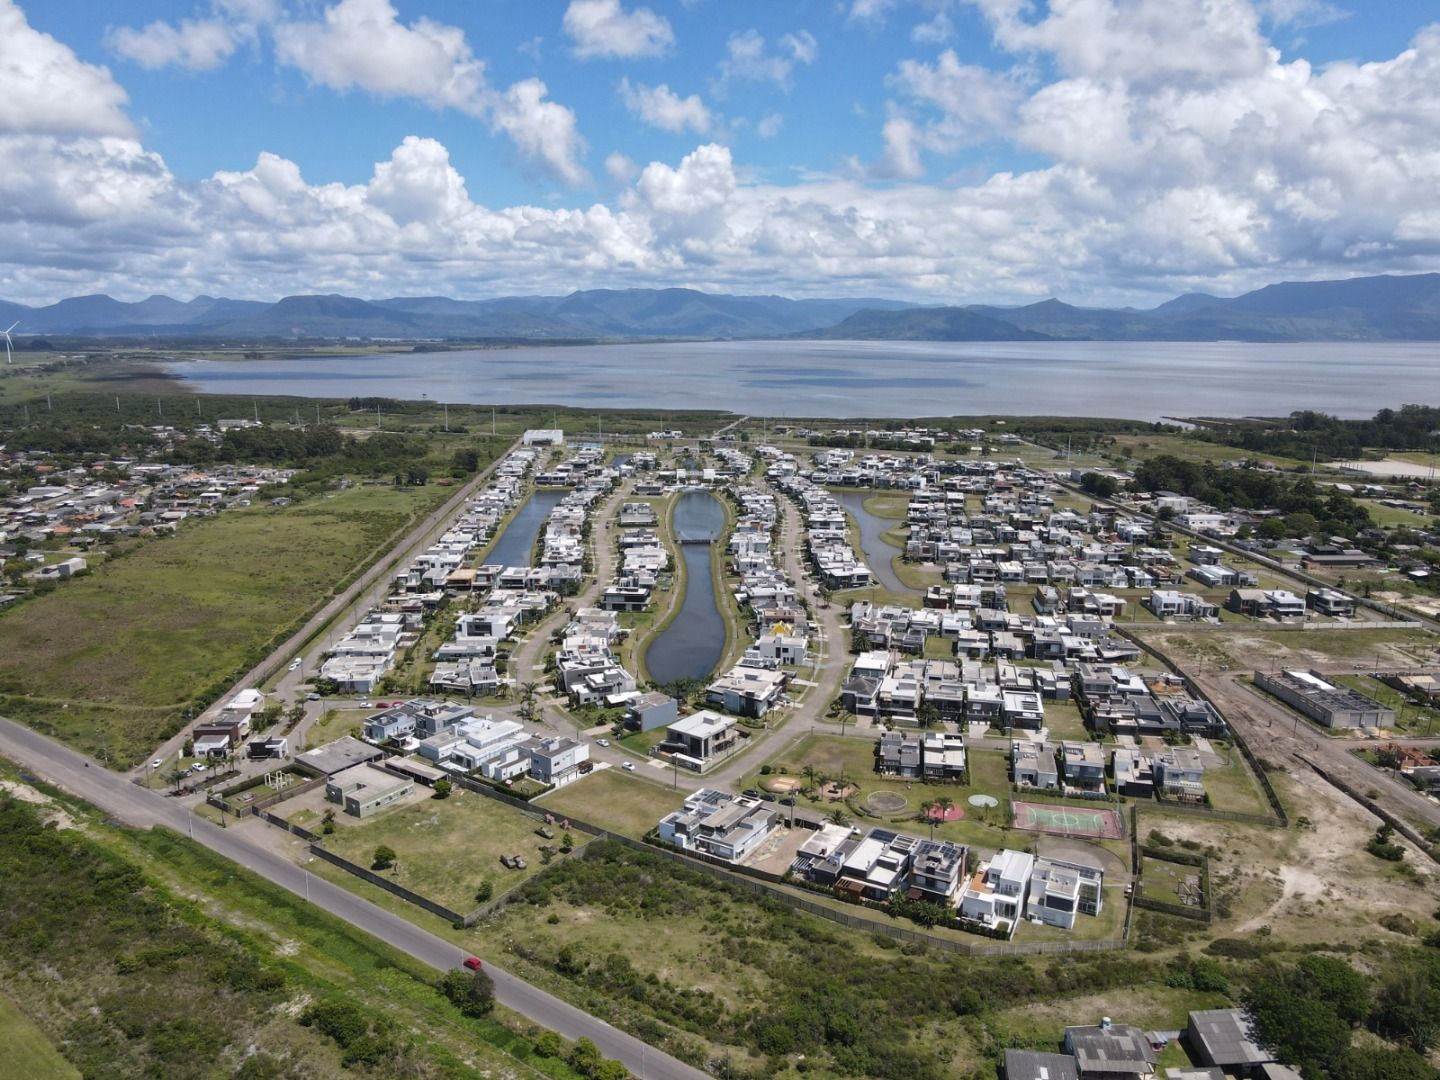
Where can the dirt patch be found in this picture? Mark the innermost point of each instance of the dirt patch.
(781, 785)
(1313, 883)
(27, 794)
(885, 802)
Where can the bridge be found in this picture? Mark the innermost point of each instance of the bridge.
(699, 540)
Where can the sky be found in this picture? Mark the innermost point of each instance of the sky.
(951, 151)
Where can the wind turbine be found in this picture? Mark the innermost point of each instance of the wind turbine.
(8, 359)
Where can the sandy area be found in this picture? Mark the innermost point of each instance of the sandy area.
(27, 794)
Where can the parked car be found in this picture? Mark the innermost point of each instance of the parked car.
(157, 763)
(517, 861)
(602, 742)
(506, 862)
(473, 963)
(767, 796)
(545, 831)
(751, 793)
(312, 696)
(199, 766)
(628, 766)
(789, 800)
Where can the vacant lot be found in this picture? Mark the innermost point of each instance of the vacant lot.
(116, 657)
(1261, 647)
(447, 847)
(1166, 881)
(612, 800)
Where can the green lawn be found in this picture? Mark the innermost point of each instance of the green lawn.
(110, 661)
(1063, 720)
(446, 847)
(1232, 787)
(888, 505)
(27, 1052)
(1161, 880)
(612, 800)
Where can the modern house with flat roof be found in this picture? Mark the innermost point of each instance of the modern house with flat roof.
(994, 897)
(719, 824)
(701, 737)
(937, 871)
(1060, 890)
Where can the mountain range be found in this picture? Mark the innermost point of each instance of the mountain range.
(1384, 308)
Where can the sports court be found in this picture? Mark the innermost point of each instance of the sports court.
(1069, 820)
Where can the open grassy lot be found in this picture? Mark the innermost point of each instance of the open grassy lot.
(1162, 880)
(113, 658)
(709, 969)
(889, 505)
(1409, 718)
(1263, 647)
(27, 1051)
(446, 847)
(1143, 447)
(1233, 787)
(614, 801)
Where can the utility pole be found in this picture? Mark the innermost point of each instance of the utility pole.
(256, 406)
(492, 419)
(117, 404)
(446, 407)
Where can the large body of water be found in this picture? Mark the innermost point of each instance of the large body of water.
(691, 644)
(1141, 380)
(877, 551)
(516, 546)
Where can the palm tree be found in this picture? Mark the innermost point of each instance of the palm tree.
(837, 817)
(927, 811)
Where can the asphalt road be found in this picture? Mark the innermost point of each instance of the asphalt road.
(117, 796)
(349, 602)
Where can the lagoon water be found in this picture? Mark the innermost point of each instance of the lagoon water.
(691, 644)
(1140, 380)
(516, 544)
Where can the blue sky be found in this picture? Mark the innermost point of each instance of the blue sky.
(1109, 151)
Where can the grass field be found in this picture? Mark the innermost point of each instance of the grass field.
(1162, 880)
(27, 1052)
(447, 847)
(109, 661)
(1264, 647)
(1233, 787)
(614, 801)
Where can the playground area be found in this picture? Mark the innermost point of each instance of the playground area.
(1096, 823)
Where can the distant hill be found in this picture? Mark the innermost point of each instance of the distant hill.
(926, 324)
(1386, 308)
(596, 314)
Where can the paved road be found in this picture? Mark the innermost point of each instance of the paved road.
(361, 593)
(1271, 730)
(117, 796)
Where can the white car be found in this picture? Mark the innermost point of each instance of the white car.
(628, 766)
(602, 742)
(157, 763)
(199, 766)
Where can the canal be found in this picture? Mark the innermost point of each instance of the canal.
(877, 552)
(516, 546)
(694, 640)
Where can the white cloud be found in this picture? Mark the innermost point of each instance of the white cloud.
(1302, 13)
(361, 44)
(604, 29)
(749, 57)
(1160, 176)
(47, 88)
(544, 131)
(662, 108)
(195, 46)
(620, 168)
(934, 30)
(769, 125)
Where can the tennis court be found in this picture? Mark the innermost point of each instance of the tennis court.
(1068, 820)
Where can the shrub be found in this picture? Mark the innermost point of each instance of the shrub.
(472, 992)
(384, 858)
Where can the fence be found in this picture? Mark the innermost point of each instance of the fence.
(1403, 828)
(289, 826)
(389, 886)
(1138, 853)
(262, 804)
(1281, 818)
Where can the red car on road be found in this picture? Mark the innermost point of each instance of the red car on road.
(473, 963)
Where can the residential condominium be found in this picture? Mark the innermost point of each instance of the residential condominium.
(718, 824)
(994, 897)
